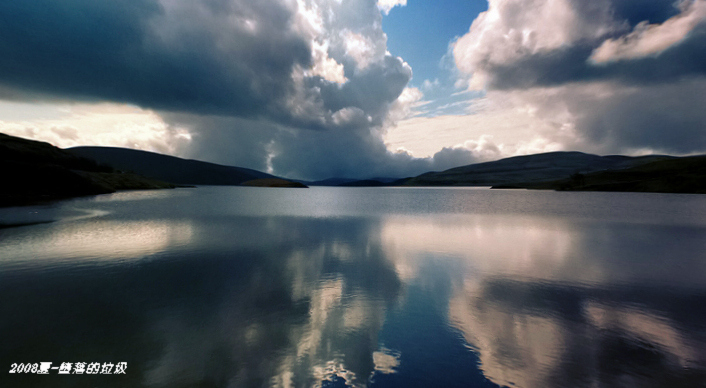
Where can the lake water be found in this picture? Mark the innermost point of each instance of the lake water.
(335, 287)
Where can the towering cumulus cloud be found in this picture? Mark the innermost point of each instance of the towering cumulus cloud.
(602, 76)
(307, 88)
(299, 87)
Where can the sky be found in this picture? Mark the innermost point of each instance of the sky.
(312, 89)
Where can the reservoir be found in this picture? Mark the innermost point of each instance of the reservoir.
(354, 287)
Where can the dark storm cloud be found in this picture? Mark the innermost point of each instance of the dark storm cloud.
(572, 64)
(668, 118)
(606, 76)
(631, 11)
(650, 42)
(226, 57)
(356, 155)
(343, 151)
(187, 56)
(371, 89)
(227, 140)
(636, 11)
(243, 77)
(543, 69)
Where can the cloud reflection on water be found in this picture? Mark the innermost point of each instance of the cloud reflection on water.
(554, 302)
(303, 311)
(553, 335)
(195, 293)
(96, 240)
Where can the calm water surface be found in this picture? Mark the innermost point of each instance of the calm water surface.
(335, 287)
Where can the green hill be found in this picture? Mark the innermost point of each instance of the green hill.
(527, 169)
(32, 171)
(577, 171)
(170, 168)
(677, 175)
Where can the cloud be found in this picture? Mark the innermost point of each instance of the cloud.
(666, 118)
(237, 58)
(607, 76)
(405, 105)
(356, 152)
(503, 123)
(597, 117)
(652, 39)
(308, 89)
(232, 57)
(511, 30)
(429, 85)
(72, 125)
(326, 67)
(506, 48)
(302, 88)
(361, 48)
(387, 5)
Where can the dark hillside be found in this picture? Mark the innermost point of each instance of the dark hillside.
(31, 171)
(528, 169)
(677, 175)
(169, 168)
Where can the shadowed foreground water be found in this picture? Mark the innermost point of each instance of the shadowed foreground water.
(334, 287)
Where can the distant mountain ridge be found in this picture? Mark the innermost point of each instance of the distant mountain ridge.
(350, 182)
(529, 169)
(170, 168)
(36, 170)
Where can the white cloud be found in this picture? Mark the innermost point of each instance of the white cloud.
(403, 107)
(257, 84)
(596, 117)
(347, 115)
(534, 59)
(309, 22)
(429, 85)
(652, 39)
(512, 29)
(484, 148)
(499, 125)
(361, 48)
(326, 67)
(102, 125)
(387, 5)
